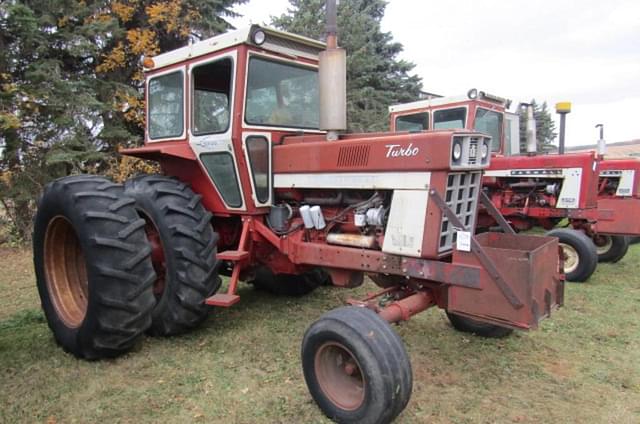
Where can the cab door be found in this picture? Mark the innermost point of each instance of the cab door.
(212, 97)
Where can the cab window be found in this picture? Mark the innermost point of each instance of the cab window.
(166, 106)
(450, 118)
(211, 97)
(282, 95)
(489, 122)
(413, 122)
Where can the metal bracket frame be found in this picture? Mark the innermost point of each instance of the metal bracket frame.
(480, 253)
(495, 213)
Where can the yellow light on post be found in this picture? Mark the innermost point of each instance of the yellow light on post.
(563, 107)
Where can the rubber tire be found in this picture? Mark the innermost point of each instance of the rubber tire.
(380, 354)
(290, 284)
(619, 248)
(189, 245)
(588, 256)
(469, 325)
(117, 257)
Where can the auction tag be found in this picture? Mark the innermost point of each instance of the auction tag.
(463, 241)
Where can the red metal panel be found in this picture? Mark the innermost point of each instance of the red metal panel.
(618, 215)
(428, 151)
(524, 261)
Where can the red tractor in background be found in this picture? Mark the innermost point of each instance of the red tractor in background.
(258, 180)
(535, 190)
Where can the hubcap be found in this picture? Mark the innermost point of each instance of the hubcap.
(571, 258)
(603, 244)
(66, 272)
(339, 376)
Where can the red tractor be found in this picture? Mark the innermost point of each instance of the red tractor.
(259, 182)
(536, 190)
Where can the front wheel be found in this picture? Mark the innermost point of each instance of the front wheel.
(580, 255)
(469, 325)
(611, 248)
(356, 367)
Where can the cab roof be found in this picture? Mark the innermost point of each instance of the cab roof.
(275, 40)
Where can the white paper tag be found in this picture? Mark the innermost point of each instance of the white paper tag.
(463, 241)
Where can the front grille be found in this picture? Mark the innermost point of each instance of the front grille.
(473, 151)
(462, 198)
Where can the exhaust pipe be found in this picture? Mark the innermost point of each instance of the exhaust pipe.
(332, 78)
(532, 143)
(602, 145)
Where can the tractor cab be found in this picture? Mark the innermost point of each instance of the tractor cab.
(478, 111)
(224, 102)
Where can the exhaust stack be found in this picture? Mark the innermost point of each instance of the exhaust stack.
(602, 145)
(332, 77)
(532, 143)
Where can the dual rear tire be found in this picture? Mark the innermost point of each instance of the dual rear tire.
(101, 282)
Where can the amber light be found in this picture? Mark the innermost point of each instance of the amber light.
(147, 62)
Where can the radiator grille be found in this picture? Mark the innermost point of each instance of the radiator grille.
(462, 198)
(350, 156)
(473, 151)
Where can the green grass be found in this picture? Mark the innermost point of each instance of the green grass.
(243, 366)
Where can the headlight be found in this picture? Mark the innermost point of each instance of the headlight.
(456, 152)
(484, 150)
(258, 37)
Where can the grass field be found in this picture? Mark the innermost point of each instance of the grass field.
(243, 365)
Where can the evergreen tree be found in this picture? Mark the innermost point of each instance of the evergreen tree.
(376, 77)
(545, 127)
(71, 84)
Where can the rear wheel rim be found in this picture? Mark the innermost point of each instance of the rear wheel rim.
(340, 376)
(66, 272)
(158, 259)
(603, 244)
(571, 258)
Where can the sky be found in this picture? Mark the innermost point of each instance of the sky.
(583, 51)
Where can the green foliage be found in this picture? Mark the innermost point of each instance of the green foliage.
(545, 127)
(70, 84)
(376, 77)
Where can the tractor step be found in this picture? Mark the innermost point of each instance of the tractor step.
(222, 299)
(233, 255)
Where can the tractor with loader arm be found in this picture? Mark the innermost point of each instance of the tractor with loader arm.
(538, 190)
(260, 182)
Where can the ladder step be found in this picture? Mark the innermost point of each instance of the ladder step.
(233, 255)
(222, 299)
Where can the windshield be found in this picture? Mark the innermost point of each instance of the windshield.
(489, 122)
(282, 95)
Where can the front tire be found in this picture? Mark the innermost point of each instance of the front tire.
(356, 367)
(469, 325)
(184, 251)
(93, 266)
(580, 255)
(611, 248)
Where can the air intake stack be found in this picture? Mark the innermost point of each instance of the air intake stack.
(532, 142)
(333, 79)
